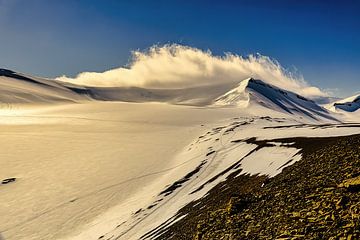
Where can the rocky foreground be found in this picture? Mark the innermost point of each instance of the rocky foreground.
(315, 198)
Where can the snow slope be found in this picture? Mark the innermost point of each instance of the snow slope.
(232, 146)
(16, 88)
(194, 96)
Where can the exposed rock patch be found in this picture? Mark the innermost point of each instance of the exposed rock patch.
(8, 180)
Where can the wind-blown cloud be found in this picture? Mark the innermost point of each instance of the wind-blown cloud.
(177, 66)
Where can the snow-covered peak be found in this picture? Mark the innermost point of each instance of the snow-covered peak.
(251, 93)
(236, 96)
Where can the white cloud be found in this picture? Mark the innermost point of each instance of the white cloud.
(177, 66)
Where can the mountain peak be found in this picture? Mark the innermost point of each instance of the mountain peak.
(251, 93)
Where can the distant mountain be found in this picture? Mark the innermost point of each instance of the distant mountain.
(350, 104)
(249, 93)
(20, 88)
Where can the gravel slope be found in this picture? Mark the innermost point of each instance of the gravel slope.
(315, 198)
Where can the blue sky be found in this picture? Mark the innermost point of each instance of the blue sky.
(50, 38)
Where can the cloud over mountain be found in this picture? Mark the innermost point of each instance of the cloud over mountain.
(177, 66)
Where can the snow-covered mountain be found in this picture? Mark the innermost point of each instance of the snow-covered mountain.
(350, 104)
(251, 93)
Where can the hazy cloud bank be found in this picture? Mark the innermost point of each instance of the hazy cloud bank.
(177, 66)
